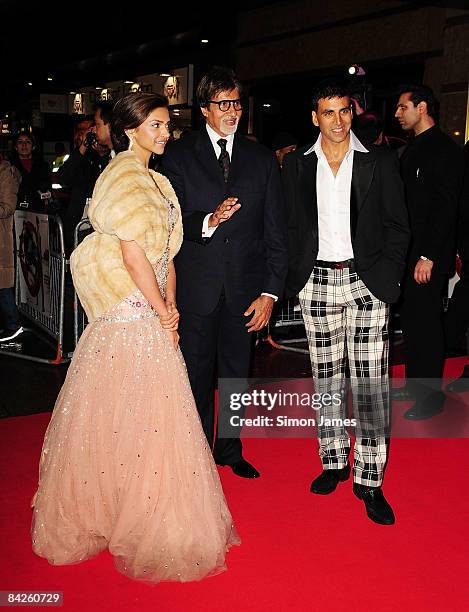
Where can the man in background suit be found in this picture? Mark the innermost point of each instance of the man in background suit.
(432, 169)
(348, 236)
(232, 264)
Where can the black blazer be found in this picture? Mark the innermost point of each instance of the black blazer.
(432, 170)
(247, 254)
(378, 219)
(463, 220)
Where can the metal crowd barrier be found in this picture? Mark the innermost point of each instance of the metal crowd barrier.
(288, 314)
(29, 263)
(80, 321)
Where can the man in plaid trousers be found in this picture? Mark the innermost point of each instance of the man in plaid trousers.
(348, 238)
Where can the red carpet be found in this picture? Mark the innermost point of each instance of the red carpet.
(299, 551)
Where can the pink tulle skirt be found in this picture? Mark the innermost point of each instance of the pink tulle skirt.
(125, 464)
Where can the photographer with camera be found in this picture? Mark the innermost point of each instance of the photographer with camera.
(86, 162)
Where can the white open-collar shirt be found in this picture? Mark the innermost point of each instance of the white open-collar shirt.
(333, 198)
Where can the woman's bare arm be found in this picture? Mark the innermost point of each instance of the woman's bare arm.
(141, 272)
(171, 284)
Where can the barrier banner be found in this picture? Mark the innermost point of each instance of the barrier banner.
(32, 246)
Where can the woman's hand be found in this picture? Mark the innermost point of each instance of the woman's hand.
(174, 337)
(170, 321)
(171, 305)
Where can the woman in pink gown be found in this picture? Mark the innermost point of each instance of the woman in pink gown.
(125, 465)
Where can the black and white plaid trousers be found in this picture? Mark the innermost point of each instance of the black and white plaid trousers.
(347, 329)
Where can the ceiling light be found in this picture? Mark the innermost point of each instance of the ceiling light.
(72, 93)
(164, 74)
(129, 82)
(49, 78)
(266, 105)
(30, 84)
(204, 40)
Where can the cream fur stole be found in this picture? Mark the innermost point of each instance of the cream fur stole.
(126, 205)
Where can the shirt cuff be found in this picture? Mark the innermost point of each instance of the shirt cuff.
(207, 232)
(274, 297)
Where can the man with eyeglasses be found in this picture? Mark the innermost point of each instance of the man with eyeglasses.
(233, 261)
(348, 235)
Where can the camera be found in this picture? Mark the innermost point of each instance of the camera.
(90, 139)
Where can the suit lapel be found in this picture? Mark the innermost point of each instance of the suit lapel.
(307, 168)
(238, 158)
(362, 175)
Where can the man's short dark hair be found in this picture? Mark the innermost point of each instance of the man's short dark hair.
(329, 88)
(421, 93)
(282, 140)
(105, 107)
(217, 79)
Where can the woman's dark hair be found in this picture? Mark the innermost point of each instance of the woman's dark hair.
(130, 112)
(217, 79)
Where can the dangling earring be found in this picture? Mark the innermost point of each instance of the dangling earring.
(131, 142)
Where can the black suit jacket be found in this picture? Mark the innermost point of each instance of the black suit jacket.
(463, 218)
(378, 219)
(247, 254)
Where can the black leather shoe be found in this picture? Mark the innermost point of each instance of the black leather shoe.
(244, 469)
(327, 482)
(461, 384)
(403, 394)
(377, 508)
(427, 407)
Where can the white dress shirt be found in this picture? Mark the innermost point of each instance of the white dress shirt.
(333, 198)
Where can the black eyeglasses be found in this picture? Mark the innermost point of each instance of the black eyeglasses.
(225, 105)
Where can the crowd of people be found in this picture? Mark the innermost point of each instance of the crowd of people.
(186, 264)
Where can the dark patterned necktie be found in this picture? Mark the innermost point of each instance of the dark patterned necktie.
(224, 159)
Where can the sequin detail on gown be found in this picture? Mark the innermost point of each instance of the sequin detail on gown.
(125, 464)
